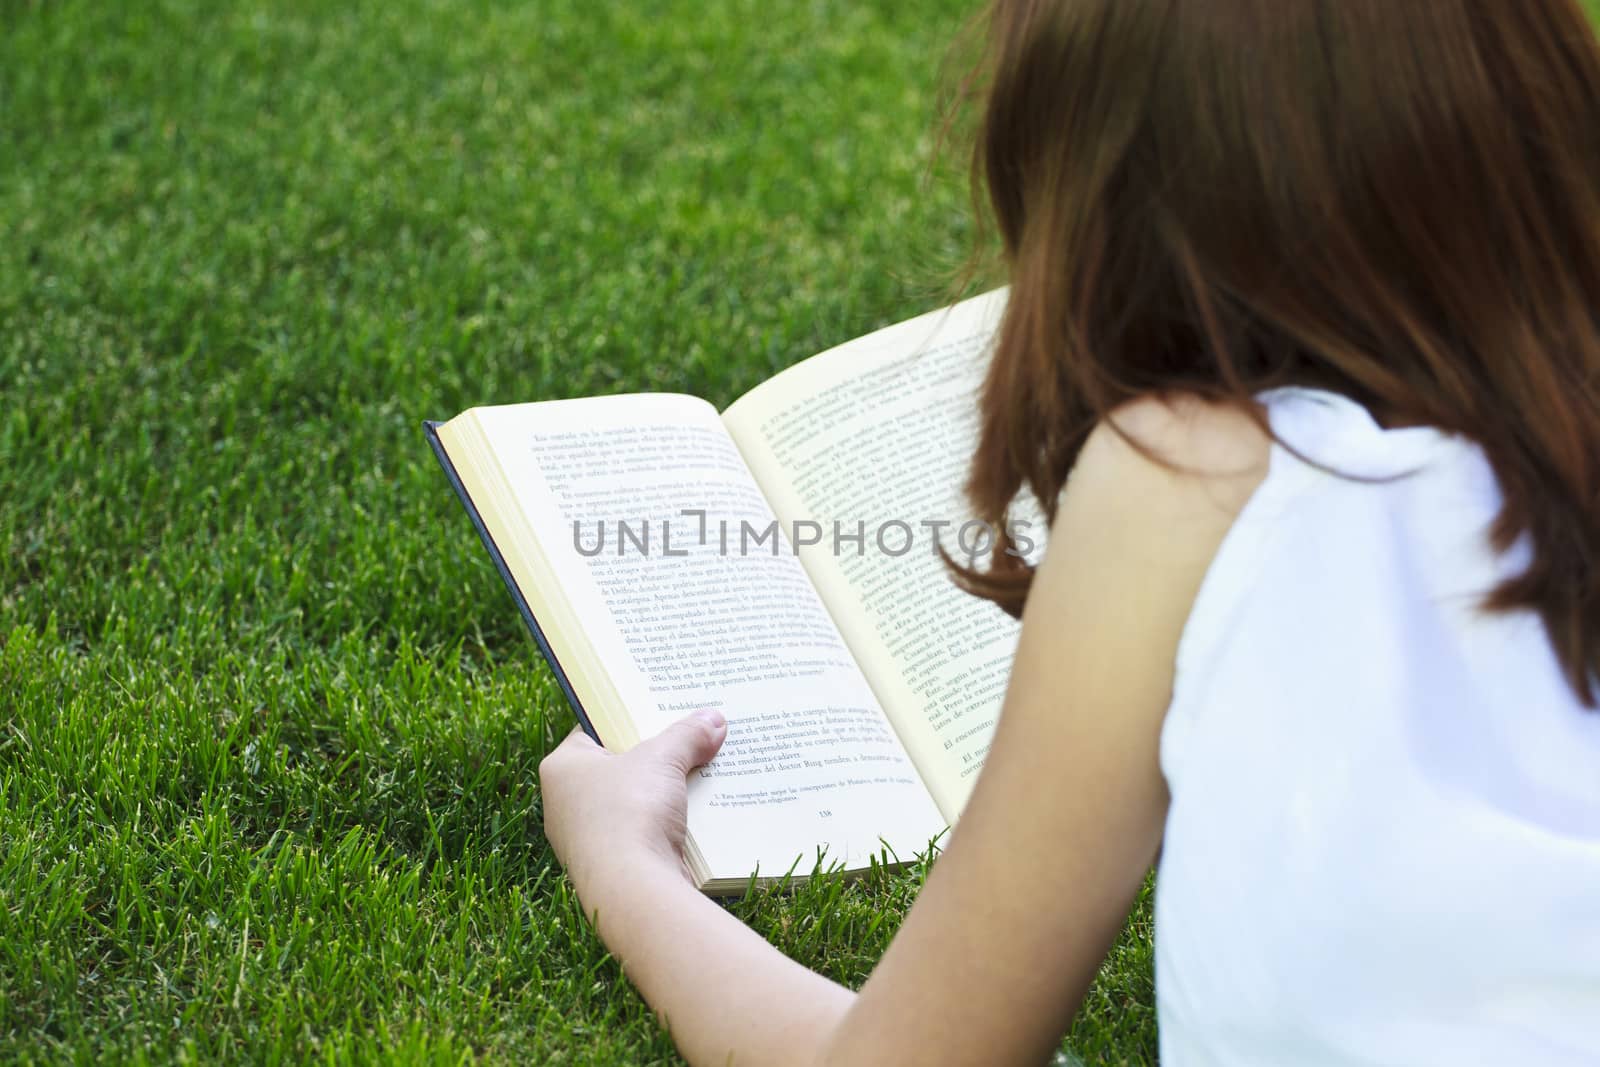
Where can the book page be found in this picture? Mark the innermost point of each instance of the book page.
(682, 614)
(863, 452)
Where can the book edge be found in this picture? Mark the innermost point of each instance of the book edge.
(430, 429)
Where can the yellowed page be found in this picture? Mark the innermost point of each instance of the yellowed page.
(875, 437)
(674, 621)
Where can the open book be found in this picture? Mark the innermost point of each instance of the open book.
(776, 561)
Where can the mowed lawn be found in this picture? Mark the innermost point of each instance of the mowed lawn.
(268, 722)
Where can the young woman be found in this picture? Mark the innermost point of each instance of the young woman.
(1306, 297)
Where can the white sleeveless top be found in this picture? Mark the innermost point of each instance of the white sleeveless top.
(1383, 845)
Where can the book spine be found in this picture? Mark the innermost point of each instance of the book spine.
(432, 430)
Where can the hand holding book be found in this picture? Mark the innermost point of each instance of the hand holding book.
(627, 808)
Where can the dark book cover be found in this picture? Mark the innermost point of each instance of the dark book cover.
(432, 430)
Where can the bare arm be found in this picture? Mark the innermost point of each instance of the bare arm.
(1063, 824)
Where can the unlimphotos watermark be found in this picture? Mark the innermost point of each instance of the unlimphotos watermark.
(973, 538)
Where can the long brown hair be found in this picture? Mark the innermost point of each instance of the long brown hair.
(1398, 200)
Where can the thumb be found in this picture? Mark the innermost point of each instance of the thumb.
(690, 742)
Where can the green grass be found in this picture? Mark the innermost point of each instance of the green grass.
(268, 723)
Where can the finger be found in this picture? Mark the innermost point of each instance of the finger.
(578, 737)
(576, 745)
(690, 742)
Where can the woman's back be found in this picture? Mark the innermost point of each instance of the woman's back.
(1383, 843)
